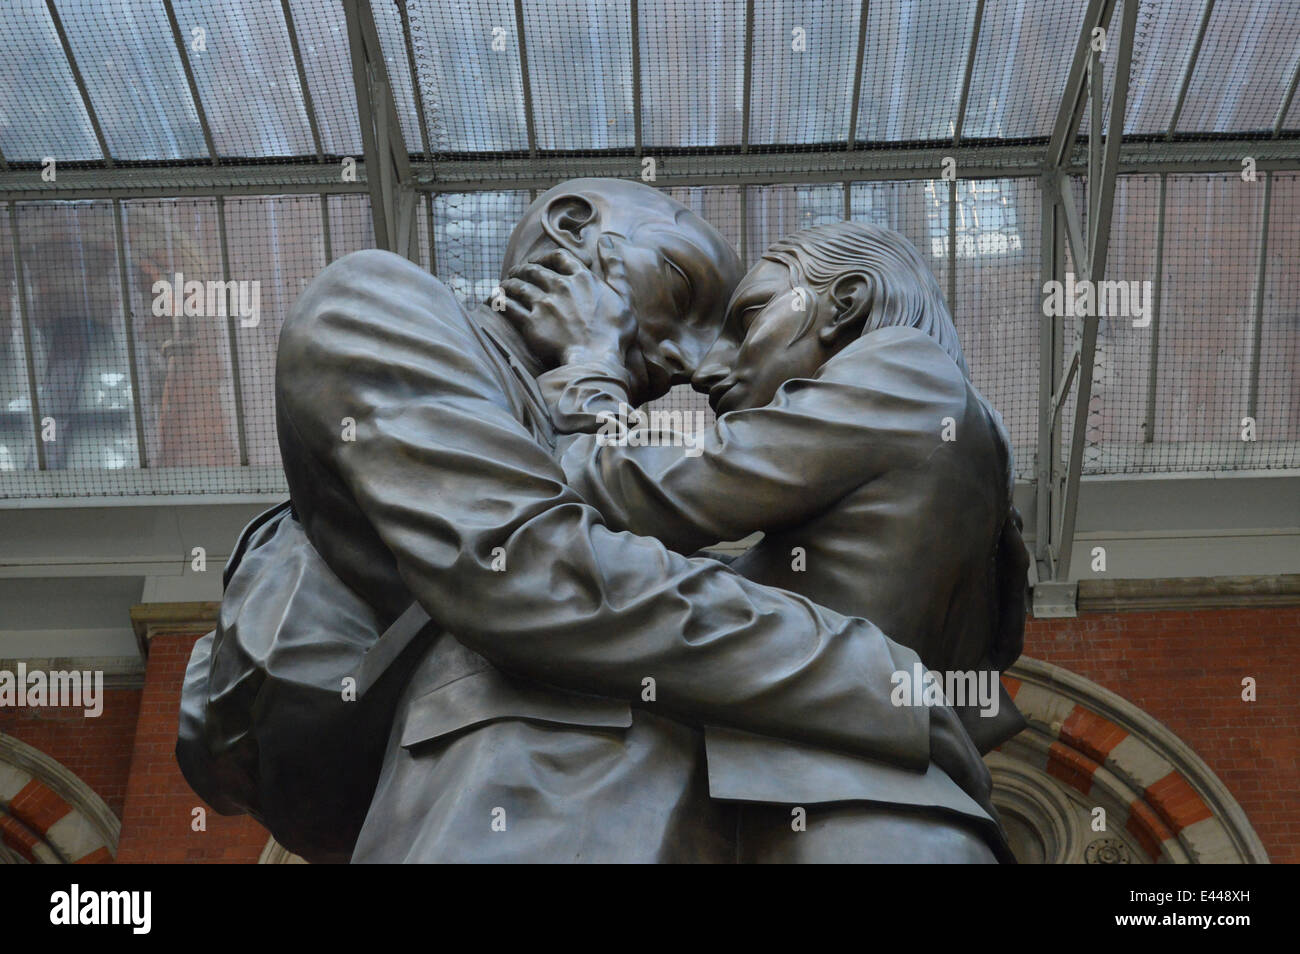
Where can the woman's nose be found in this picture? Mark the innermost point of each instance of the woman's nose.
(709, 375)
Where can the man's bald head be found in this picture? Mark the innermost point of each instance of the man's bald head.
(675, 270)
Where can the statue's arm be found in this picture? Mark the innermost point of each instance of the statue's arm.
(876, 406)
(452, 484)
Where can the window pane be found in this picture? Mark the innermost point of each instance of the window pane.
(1212, 228)
(998, 301)
(246, 50)
(351, 226)
(17, 441)
(1165, 34)
(1247, 60)
(802, 79)
(776, 211)
(127, 55)
(45, 117)
(692, 73)
(1020, 69)
(79, 349)
(912, 70)
(182, 352)
(467, 55)
(327, 61)
(470, 234)
(580, 69)
(275, 242)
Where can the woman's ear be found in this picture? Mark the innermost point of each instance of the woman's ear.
(851, 296)
(565, 219)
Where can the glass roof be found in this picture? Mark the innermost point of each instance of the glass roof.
(499, 91)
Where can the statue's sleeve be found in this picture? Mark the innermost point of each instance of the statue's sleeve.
(497, 548)
(878, 405)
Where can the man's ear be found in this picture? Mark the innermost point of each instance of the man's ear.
(565, 219)
(852, 297)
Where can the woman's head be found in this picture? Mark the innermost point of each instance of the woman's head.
(810, 295)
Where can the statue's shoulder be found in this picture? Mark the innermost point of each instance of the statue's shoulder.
(899, 358)
(372, 286)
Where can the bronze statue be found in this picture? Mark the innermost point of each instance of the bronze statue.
(545, 684)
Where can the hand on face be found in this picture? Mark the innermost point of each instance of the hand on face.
(567, 314)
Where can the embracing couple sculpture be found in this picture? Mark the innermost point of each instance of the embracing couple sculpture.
(483, 631)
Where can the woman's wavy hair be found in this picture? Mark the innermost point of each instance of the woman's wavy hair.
(906, 291)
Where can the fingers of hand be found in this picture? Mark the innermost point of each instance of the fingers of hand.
(545, 278)
(521, 291)
(562, 261)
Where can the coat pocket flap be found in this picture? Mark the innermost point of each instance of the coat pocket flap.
(490, 695)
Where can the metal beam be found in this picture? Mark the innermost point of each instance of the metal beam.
(191, 82)
(855, 99)
(1281, 110)
(530, 118)
(236, 379)
(416, 92)
(744, 227)
(128, 330)
(126, 182)
(496, 171)
(383, 98)
(1261, 277)
(748, 76)
(1096, 272)
(970, 68)
(325, 227)
(1153, 367)
(302, 80)
(366, 114)
(81, 83)
(1070, 110)
(1186, 81)
(383, 158)
(1100, 226)
(636, 79)
(1073, 226)
(24, 317)
(1096, 100)
(1051, 268)
(406, 238)
(952, 246)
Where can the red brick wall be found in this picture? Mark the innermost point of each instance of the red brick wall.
(1185, 669)
(157, 816)
(97, 750)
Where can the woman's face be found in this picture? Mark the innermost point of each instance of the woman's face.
(761, 346)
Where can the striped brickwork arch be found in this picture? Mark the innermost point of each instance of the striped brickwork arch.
(1087, 748)
(47, 814)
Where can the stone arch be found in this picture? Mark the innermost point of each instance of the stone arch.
(47, 814)
(274, 853)
(1087, 749)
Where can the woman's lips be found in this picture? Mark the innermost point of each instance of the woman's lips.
(718, 393)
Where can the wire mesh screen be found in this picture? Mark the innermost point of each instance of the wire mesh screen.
(118, 376)
(997, 303)
(1201, 375)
